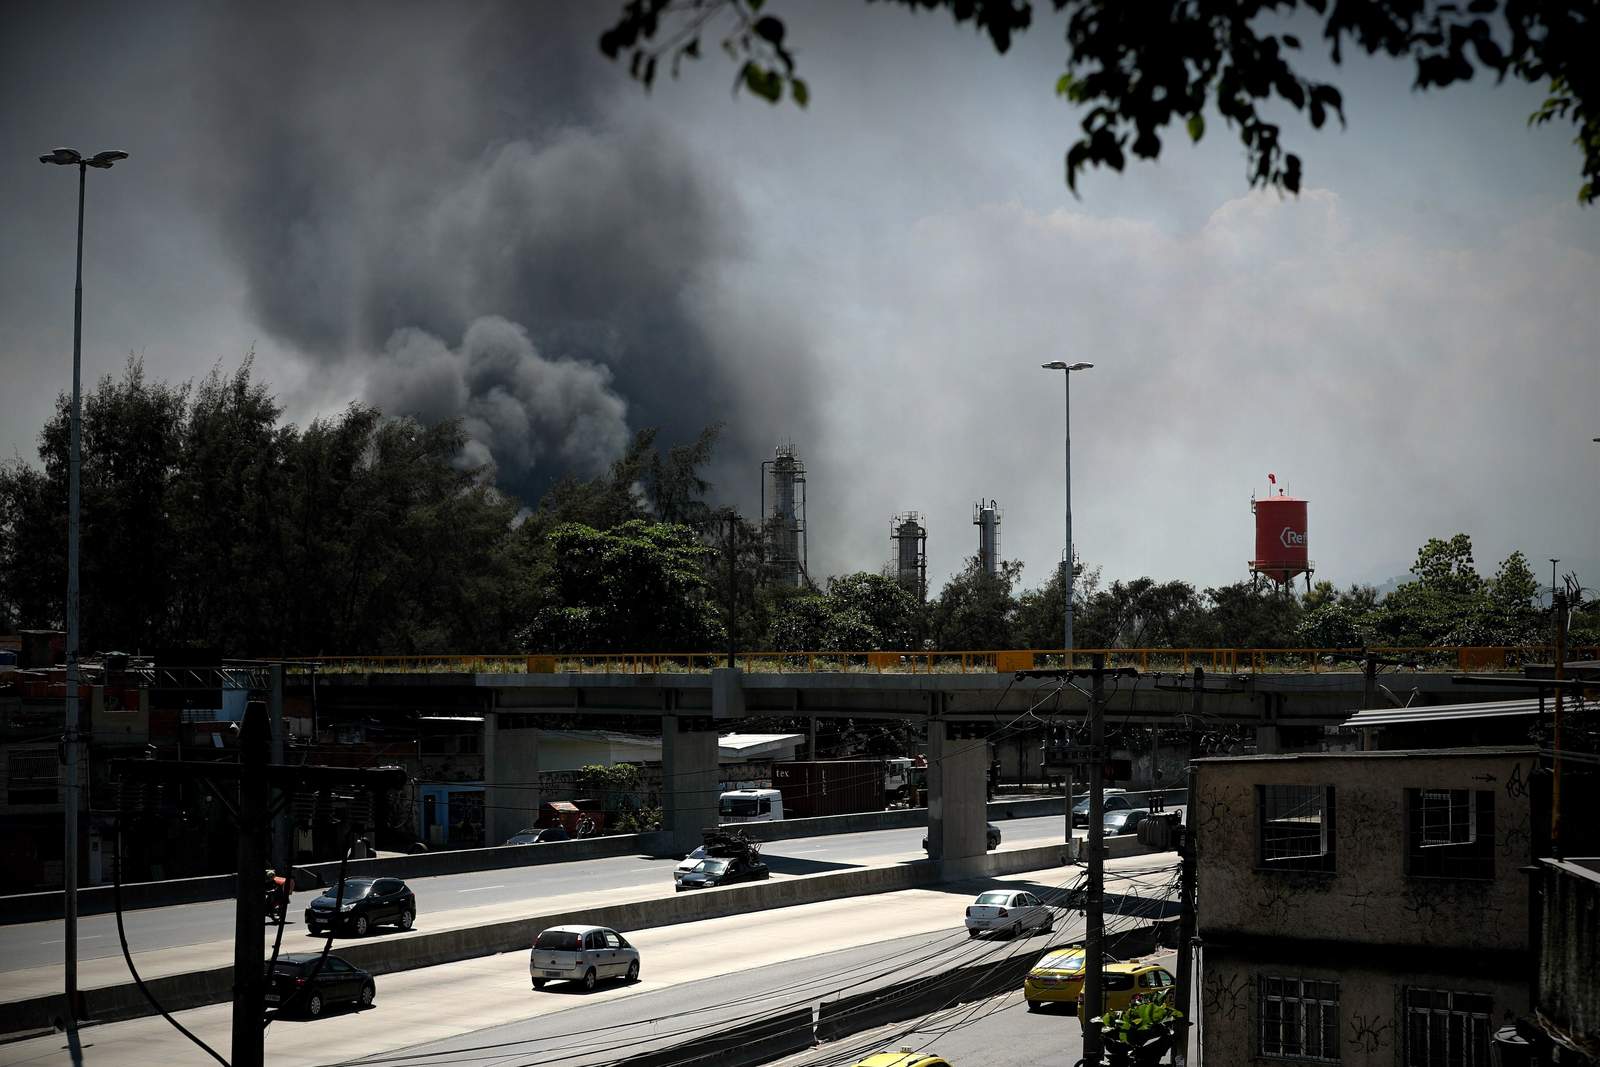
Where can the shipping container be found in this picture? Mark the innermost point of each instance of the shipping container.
(814, 788)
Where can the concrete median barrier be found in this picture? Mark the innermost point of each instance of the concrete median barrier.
(742, 1046)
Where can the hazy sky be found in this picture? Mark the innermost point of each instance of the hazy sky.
(464, 210)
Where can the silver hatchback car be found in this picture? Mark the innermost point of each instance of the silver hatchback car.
(585, 954)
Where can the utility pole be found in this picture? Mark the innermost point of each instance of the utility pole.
(1095, 905)
(1558, 602)
(1186, 909)
(1094, 759)
(250, 910)
(733, 589)
(282, 853)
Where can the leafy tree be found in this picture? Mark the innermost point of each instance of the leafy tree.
(618, 786)
(1248, 615)
(976, 609)
(1445, 601)
(640, 586)
(1334, 619)
(1513, 608)
(227, 491)
(1141, 613)
(859, 613)
(886, 614)
(1138, 69)
(798, 621)
(131, 445)
(1041, 612)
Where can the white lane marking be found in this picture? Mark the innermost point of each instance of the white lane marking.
(480, 889)
(799, 851)
(81, 937)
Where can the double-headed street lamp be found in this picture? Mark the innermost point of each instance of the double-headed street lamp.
(68, 157)
(1066, 577)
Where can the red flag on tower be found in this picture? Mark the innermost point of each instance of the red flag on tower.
(1273, 478)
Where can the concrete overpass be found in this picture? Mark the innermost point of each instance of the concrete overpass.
(1286, 709)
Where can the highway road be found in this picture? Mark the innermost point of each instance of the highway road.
(695, 976)
(448, 899)
(998, 1032)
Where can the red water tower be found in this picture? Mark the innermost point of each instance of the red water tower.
(1281, 549)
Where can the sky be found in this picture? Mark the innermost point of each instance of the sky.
(466, 211)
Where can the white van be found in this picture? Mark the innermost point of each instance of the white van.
(751, 805)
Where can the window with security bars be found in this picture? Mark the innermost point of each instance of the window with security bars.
(1294, 826)
(1450, 833)
(1445, 1028)
(1298, 1018)
(32, 775)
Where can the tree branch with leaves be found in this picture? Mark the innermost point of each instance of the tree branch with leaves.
(1139, 69)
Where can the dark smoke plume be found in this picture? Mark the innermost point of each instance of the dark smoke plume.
(472, 200)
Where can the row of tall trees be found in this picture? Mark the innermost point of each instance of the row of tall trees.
(208, 521)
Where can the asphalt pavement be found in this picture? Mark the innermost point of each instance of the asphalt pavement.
(997, 1032)
(696, 977)
(32, 945)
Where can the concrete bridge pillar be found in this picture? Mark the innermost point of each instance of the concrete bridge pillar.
(957, 808)
(690, 779)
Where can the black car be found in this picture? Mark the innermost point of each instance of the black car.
(991, 833)
(367, 902)
(299, 985)
(718, 870)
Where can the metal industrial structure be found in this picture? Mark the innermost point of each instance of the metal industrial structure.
(910, 540)
(986, 517)
(785, 525)
(1281, 549)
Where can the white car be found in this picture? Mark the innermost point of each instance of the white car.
(690, 862)
(583, 954)
(1008, 911)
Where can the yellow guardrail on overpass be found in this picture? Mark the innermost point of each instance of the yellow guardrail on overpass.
(1003, 661)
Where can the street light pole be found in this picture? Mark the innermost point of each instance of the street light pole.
(72, 737)
(1067, 565)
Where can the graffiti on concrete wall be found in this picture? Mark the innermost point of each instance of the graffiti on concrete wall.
(1275, 897)
(1517, 782)
(1435, 906)
(1226, 997)
(1371, 827)
(1516, 842)
(1213, 813)
(1371, 1033)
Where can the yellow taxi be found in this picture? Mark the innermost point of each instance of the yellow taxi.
(1056, 978)
(1126, 982)
(905, 1057)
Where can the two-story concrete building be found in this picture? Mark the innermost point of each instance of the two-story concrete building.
(1365, 908)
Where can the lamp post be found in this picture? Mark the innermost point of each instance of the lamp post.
(1066, 577)
(68, 157)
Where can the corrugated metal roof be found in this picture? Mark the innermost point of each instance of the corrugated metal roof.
(1494, 709)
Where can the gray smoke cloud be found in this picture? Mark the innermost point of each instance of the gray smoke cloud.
(465, 198)
(517, 408)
